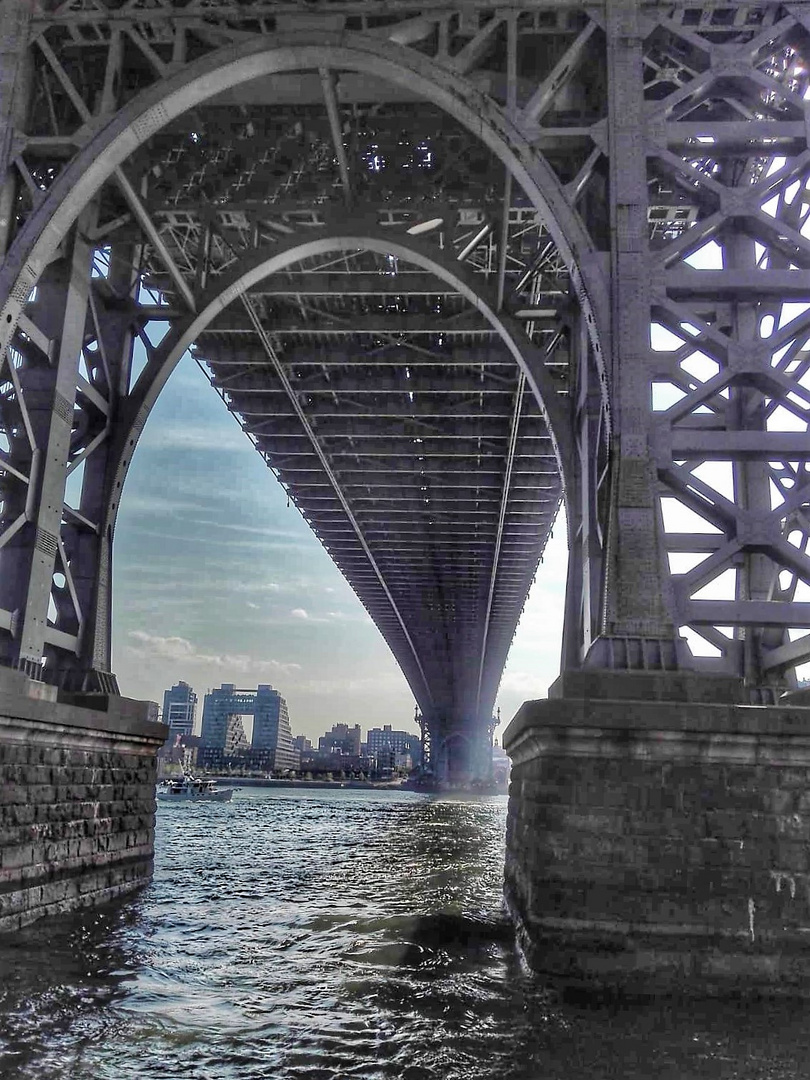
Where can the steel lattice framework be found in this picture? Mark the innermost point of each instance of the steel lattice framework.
(449, 266)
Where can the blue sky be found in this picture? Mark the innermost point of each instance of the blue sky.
(217, 579)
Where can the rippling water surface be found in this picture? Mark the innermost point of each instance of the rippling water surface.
(323, 934)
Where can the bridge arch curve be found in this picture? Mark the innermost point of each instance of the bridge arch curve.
(112, 139)
(107, 142)
(260, 264)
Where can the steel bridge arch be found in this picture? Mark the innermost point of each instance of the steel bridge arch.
(112, 139)
(250, 271)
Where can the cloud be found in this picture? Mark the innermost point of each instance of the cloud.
(219, 491)
(250, 604)
(526, 683)
(181, 650)
(331, 616)
(146, 503)
(240, 527)
(361, 616)
(293, 583)
(199, 437)
(375, 684)
(269, 544)
(167, 648)
(541, 628)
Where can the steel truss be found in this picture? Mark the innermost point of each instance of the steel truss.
(419, 254)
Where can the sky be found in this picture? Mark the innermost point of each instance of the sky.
(217, 579)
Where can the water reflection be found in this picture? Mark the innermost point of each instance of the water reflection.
(58, 982)
(293, 935)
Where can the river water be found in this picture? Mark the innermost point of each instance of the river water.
(322, 934)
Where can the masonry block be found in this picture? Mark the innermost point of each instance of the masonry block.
(77, 800)
(661, 845)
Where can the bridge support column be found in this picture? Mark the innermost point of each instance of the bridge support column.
(659, 835)
(77, 800)
(461, 756)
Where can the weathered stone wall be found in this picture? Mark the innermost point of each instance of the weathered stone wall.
(77, 800)
(662, 845)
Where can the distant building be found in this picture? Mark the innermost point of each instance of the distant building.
(178, 754)
(341, 740)
(392, 749)
(233, 753)
(190, 746)
(180, 709)
(313, 761)
(302, 744)
(271, 722)
(501, 764)
(235, 738)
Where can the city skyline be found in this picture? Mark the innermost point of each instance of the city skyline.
(217, 579)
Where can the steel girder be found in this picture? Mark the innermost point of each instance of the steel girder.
(543, 150)
(721, 99)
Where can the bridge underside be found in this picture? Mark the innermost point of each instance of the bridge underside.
(401, 427)
(384, 400)
(447, 269)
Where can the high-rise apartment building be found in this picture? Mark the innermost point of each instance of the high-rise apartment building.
(342, 739)
(383, 742)
(271, 721)
(180, 709)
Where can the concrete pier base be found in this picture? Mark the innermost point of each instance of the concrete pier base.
(77, 800)
(661, 845)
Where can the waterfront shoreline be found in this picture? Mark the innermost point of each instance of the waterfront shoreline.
(353, 785)
(267, 782)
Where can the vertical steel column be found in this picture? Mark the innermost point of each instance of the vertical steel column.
(637, 588)
(751, 480)
(49, 390)
(90, 539)
(583, 595)
(14, 103)
(15, 70)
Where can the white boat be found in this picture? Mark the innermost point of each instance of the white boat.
(191, 788)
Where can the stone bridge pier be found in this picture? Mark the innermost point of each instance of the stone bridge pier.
(659, 834)
(659, 815)
(457, 755)
(77, 799)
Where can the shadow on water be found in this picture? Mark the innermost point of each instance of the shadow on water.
(295, 937)
(59, 981)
